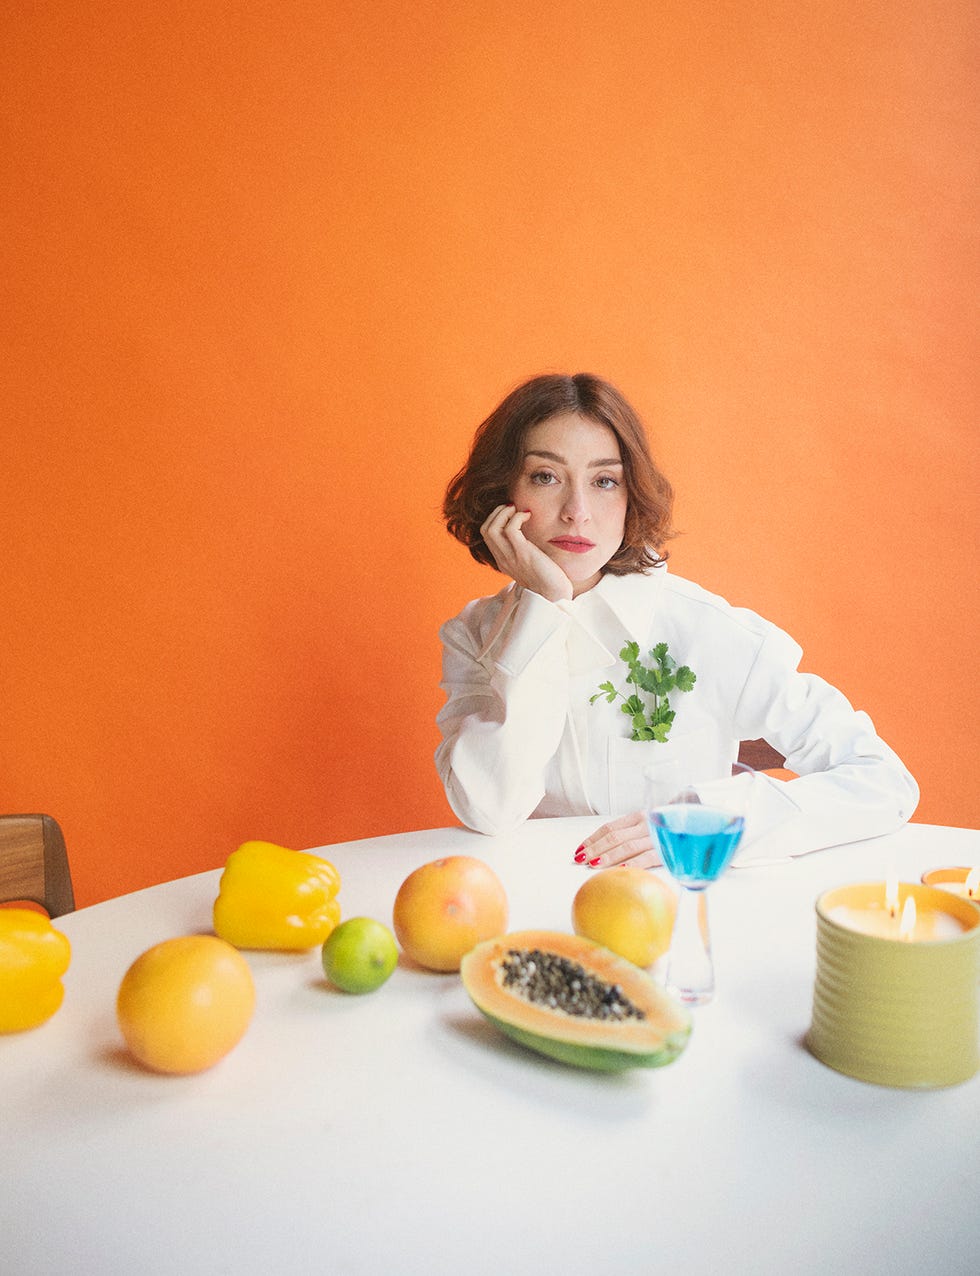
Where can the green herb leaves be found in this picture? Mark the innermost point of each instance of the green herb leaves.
(658, 680)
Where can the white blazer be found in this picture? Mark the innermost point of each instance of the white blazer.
(521, 739)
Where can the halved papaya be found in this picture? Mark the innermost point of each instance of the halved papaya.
(575, 1001)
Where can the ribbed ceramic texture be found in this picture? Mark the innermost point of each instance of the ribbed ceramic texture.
(893, 1012)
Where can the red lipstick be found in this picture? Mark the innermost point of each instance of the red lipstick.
(573, 544)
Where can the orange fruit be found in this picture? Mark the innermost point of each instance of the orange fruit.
(185, 1003)
(627, 910)
(445, 908)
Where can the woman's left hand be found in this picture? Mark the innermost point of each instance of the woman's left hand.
(623, 841)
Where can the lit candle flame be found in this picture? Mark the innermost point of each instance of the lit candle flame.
(907, 925)
(891, 894)
(973, 883)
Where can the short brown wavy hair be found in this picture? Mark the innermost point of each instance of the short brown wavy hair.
(497, 455)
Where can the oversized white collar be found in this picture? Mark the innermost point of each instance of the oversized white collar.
(616, 610)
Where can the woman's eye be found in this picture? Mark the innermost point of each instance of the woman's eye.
(544, 478)
(607, 483)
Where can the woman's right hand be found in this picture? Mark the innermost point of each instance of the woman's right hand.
(623, 841)
(517, 557)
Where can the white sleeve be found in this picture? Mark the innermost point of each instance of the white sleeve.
(504, 714)
(850, 784)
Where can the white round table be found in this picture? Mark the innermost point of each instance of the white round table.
(399, 1133)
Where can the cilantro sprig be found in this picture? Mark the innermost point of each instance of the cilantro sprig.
(653, 720)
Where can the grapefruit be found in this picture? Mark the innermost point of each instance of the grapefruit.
(447, 907)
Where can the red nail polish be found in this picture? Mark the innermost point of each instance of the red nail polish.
(580, 857)
(593, 863)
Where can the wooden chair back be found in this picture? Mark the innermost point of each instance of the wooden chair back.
(34, 863)
(760, 756)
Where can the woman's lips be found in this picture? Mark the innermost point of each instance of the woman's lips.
(574, 544)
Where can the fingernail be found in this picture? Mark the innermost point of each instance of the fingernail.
(596, 862)
(580, 857)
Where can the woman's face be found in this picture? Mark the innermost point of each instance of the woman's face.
(572, 482)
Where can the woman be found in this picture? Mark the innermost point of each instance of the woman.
(560, 494)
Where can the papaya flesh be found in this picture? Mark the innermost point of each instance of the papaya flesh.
(573, 1000)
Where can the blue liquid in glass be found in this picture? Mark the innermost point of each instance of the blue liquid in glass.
(697, 842)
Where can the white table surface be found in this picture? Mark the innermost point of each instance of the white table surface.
(399, 1133)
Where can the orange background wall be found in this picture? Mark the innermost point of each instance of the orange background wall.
(268, 265)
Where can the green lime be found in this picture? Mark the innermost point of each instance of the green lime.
(359, 955)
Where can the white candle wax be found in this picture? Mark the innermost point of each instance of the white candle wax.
(930, 923)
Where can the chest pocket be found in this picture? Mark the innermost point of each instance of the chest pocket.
(701, 754)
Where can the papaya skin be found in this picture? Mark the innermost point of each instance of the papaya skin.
(605, 1059)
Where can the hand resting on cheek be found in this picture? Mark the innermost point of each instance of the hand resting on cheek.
(516, 557)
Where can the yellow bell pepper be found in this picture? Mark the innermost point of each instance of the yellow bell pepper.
(271, 897)
(33, 957)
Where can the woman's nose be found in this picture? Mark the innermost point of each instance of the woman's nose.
(576, 506)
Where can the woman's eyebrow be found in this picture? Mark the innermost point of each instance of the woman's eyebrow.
(593, 465)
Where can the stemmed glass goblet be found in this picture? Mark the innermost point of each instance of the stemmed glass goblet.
(698, 830)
